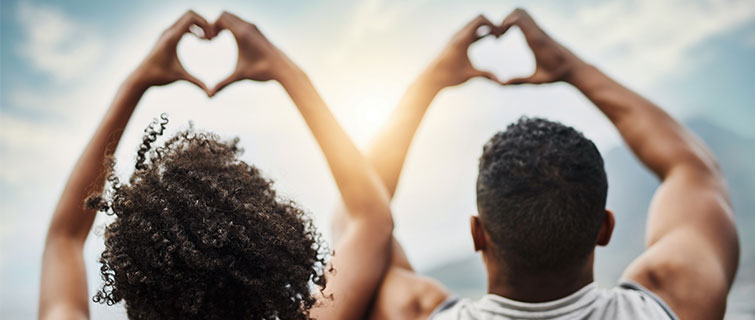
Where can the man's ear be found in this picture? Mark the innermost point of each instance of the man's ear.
(606, 230)
(478, 233)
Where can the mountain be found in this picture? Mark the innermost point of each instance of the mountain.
(630, 190)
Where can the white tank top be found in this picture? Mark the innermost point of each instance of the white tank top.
(629, 300)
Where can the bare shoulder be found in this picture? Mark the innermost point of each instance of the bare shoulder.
(688, 279)
(404, 294)
(692, 244)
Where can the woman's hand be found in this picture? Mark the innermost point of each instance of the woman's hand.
(258, 59)
(452, 66)
(161, 66)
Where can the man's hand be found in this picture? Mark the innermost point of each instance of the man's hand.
(258, 58)
(161, 66)
(452, 67)
(553, 61)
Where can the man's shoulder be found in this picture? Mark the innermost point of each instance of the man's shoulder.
(630, 299)
(625, 301)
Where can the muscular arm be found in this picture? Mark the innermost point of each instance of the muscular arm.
(63, 291)
(692, 246)
(361, 257)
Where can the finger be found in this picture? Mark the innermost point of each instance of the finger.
(520, 18)
(477, 24)
(232, 17)
(509, 21)
(191, 19)
(220, 23)
(227, 20)
(188, 77)
(521, 80)
(483, 31)
(485, 74)
(223, 83)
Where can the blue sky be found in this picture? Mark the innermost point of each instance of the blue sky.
(61, 61)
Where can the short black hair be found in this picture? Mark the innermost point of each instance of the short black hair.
(200, 234)
(541, 195)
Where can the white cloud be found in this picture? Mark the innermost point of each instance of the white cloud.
(55, 43)
(379, 15)
(369, 18)
(647, 40)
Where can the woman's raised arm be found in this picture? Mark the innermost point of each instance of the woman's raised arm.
(63, 292)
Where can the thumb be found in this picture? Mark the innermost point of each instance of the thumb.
(520, 80)
(188, 77)
(224, 83)
(486, 74)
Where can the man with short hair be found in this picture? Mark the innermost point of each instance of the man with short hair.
(541, 195)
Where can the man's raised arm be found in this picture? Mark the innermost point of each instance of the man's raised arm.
(692, 246)
(403, 293)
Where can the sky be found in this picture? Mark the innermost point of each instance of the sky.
(61, 62)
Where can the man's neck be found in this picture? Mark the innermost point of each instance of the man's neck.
(538, 287)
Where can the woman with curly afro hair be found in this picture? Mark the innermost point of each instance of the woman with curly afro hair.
(200, 234)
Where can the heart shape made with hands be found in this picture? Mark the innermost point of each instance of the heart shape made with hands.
(209, 60)
(506, 56)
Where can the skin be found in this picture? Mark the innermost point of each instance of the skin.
(363, 254)
(405, 294)
(63, 292)
(692, 246)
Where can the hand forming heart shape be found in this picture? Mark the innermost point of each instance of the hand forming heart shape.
(553, 62)
(209, 61)
(506, 56)
(260, 60)
(257, 59)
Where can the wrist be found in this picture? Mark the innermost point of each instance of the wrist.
(289, 75)
(287, 72)
(137, 80)
(580, 73)
(430, 80)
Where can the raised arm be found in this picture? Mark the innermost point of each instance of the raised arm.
(405, 294)
(63, 292)
(389, 148)
(692, 246)
(452, 67)
(362, 255)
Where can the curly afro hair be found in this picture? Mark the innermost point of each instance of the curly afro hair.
(541, 194)
(199, 234)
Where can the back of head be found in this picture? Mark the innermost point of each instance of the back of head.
(199, 234)
(541, 195)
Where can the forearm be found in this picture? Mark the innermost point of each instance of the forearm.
(658, 140)
(63, 290)
(388, 151)
(360, 188)
(70, 218)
